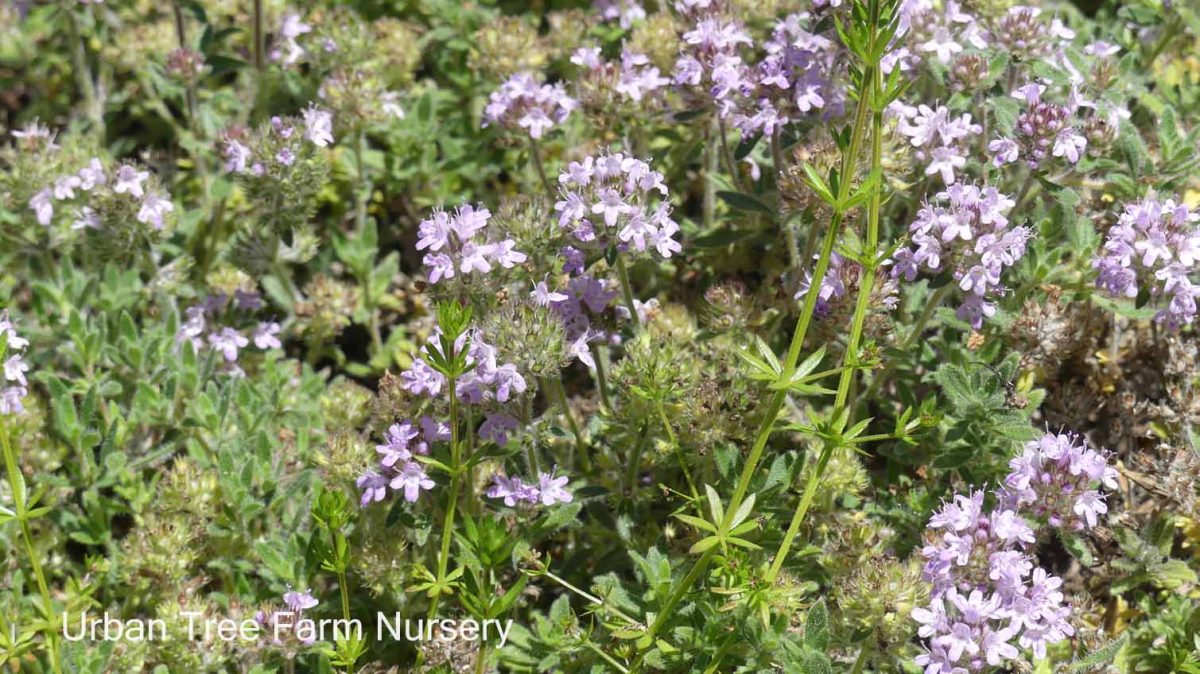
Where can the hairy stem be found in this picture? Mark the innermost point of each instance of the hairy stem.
(16, 485)
(455, 486)
(627, 292)
(535, 151)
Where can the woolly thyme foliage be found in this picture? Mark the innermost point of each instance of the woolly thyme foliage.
(1153, 251)
(545, 444)
(988, 595)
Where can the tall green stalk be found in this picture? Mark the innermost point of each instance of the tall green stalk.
(16, 483)
(455, 486)
(873, 85)
(849, 160)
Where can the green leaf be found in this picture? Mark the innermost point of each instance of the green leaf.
(703, 525)
(1102, 655)
(714, 504)
(816, 627)
(743, 510)
(1172, 574)
(745, 202)
(814, 662)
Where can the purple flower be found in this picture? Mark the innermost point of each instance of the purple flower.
(374, 487)
(1054, 478)
(395, 447)
(619, 191)
(42, 205)
(299, 601)
(227, 342)
(153, 208)
(940, 138)
(496, 428)
(512, 489)
(521, 102)
(318, 126)
(1155, 245)
(463, 243)
(411, 479)
(129, 179)
(10, 399)
(236, 156)
(551, 489)
(973, 230)
(15, 369)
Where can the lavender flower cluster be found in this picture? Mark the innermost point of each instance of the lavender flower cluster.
(941, 31)
(1155, 244)
(522, 102)
(988, 598)
(710, 58)
(624, 12)
(13, 385)
(939, 138)
(397, 467)
(1043, 130)
(794, 79)
(608, 200)
(584, 298)
(278, 149)
(972, 237)
(209, 325)
(549, 490)
(633, 78)
(462, 242)
(488, 384)
(125, 180)
(1053, 481)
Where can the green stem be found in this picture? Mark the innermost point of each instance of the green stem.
(730, 163)
(606, 657)
(259, 45)
(627, 291)
(861, 660)
(635, 460)
(678, 452)
(455, 486)
(535, 151)
(601, 378)
(712, 164)
(872, 84)
(16, 485)
(767, 425)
